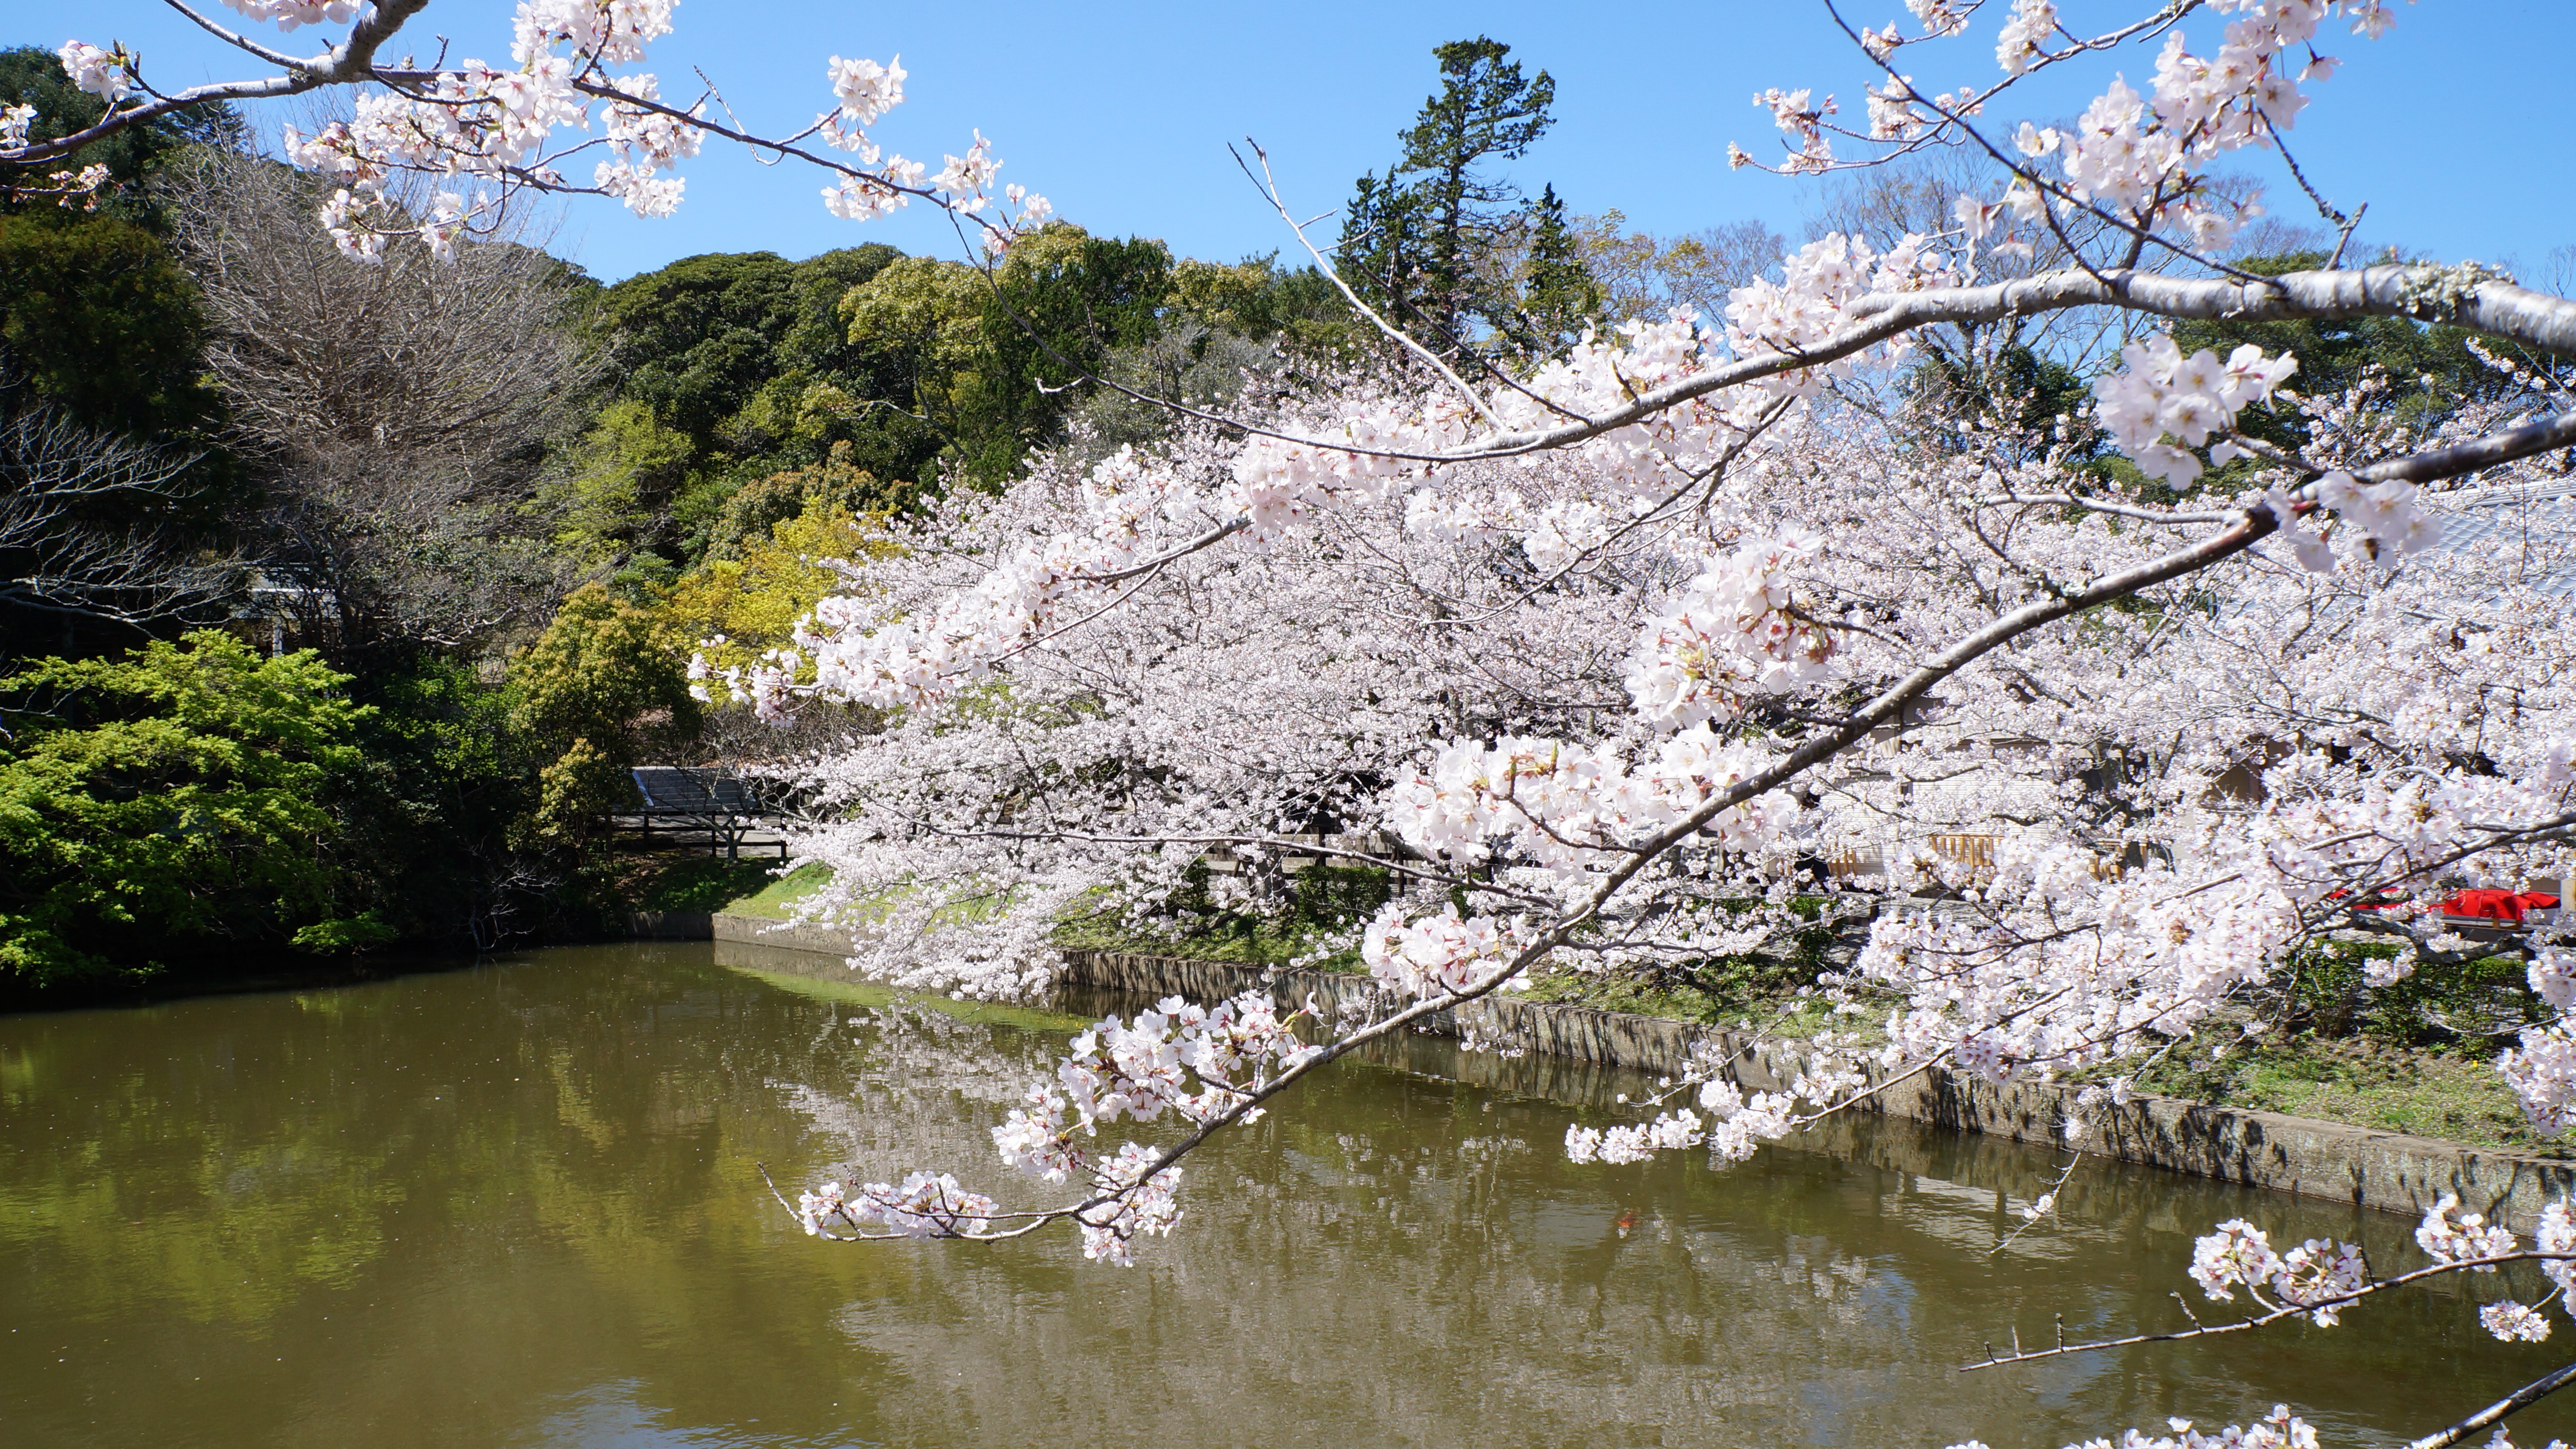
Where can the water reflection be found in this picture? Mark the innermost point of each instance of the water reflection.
(517, 1205)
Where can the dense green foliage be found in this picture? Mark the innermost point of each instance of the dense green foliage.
(97, 316)
(600, 693)
(727, 366)
(193, 807)
(185, 799)
(746, 383)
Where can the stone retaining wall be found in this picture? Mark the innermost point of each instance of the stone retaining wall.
(786, 935)
(2384, 1170)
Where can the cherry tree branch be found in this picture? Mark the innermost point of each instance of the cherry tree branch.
(348, 63)
(2495, 1413)
(2496, 308)
(2277, 1312)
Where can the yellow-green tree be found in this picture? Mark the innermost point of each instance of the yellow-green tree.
(182, 800)
(736, 608)
(624, 473)
(602, 691)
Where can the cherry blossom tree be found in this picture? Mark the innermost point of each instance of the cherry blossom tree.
(1837, 623)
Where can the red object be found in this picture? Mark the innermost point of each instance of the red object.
(2498, 906)
(2502, 907)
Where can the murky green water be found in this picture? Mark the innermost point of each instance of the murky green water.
(517, 1205)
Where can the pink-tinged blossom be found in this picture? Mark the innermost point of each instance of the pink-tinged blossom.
(1435, 955)
(2541, 1069)
(1734, 632)
(2158, 392)
(2470, 1237)
(924, 1205)
(105, 74)
(287, 15)
(2513, 1322)
(865, 89)
(2280, 1429)
(1146, 1206)
(2025, 35)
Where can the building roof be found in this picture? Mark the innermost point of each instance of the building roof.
(693, 790)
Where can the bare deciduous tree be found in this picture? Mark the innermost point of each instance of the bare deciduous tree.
(59, 484)
(398, 413)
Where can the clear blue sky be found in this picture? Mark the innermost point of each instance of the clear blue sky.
(2449, 128)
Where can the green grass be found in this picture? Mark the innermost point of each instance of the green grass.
(2451, 1093)
(691, 882)
(1327, 900)
(777, 894)
(1240, 941)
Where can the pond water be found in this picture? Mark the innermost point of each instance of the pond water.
(518, 1204)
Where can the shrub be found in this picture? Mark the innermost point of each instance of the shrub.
(179, 799)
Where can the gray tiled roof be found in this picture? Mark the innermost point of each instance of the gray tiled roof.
(693, 790)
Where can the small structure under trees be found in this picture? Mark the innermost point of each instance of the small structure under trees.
(701, 799)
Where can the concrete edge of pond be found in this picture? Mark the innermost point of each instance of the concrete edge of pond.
(2389, 1171)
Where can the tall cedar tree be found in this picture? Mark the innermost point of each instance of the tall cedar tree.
(1411, 240)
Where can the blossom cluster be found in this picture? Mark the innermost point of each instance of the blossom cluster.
(1180, 1057)
(1282, 481)
(106, 74)
(2541, 1069)
(1736, 1125)
(1143, 1202)
(1193, 1061)
(482, 129)
(1812, 301)
(924, 1205)
(2471, 1237)
(484, 122)
(2143, 155)
(1734, 631)
(2319, 1275)
(2319, 1278)
(2279, 1429)
(2159, 393)
(1570, 807)
(286, 15)
(926, 658)
(1435, 955)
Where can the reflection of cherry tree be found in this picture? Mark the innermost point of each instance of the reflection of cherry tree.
(1421, 1220)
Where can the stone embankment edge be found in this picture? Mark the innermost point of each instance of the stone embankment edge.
(2388, 1171)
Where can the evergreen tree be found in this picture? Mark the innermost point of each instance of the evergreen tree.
(1412, 241)
(1559, 296)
